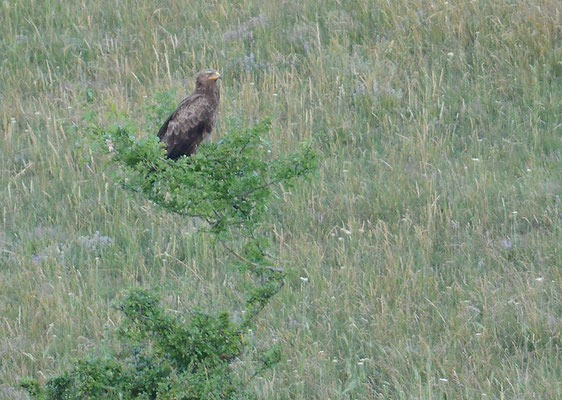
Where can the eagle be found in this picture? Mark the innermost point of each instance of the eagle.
(195, 117)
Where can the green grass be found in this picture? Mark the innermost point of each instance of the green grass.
(424, 258)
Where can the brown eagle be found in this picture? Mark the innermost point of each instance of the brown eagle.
(194, 118)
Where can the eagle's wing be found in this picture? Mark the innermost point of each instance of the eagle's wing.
(187, 126)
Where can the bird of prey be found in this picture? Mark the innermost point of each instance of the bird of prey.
(194, 118)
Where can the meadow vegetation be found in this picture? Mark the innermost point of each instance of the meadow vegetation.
(423, 260)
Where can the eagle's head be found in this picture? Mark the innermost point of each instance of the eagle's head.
(207, 79)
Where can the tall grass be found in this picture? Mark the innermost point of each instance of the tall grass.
(425, 256)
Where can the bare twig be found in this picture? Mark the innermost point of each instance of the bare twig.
(233, 252)
(244, 195)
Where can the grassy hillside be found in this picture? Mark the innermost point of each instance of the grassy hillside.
(424, 258)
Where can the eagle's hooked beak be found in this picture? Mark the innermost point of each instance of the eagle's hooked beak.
(216, 76)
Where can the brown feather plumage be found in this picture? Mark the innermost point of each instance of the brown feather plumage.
(194, 119)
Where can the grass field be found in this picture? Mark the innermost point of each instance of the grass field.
(424, 257)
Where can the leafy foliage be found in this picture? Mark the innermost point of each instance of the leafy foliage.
(228, 185)
(163, 357)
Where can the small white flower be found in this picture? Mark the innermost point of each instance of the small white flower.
(69, 107)
(37, 113)
(275, 95)
(340, 238)
(475, 159)
(334, 360)
(109, 144)
(539, 279)
(528, 169)
(304, 279)
(443, 379)
(360, 363)
(451, 54)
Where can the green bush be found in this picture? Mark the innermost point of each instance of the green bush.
(163, 356)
